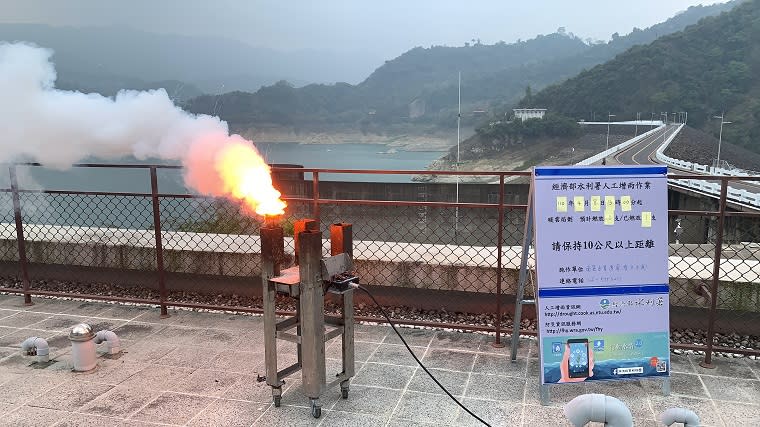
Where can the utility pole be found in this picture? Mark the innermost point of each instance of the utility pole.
(459, 119)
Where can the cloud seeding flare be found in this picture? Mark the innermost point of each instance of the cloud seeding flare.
(58, 128)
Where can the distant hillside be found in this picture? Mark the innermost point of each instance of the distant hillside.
(501, 89)
(109, 85)
(419, 88)
(385, 97)
(213, 64)
(708, 68)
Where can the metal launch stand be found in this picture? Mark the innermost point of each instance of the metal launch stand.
(308, 281)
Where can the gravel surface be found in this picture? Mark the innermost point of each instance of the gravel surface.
(400, 314)
(700, 147)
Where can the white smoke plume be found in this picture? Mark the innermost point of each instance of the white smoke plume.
(58, 128)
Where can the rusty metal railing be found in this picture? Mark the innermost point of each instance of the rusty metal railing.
(172, 215)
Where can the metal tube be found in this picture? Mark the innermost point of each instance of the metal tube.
(299, 227)
(523, 277)
(22, 261)
(159, 244)
(312, 302)
(272, 248)
(341, 241)
(499, 240)
(707, 363)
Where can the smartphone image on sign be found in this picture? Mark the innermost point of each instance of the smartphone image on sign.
(577, 363)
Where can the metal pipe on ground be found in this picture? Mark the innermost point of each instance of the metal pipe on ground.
(38, 346)
(111, 339)
(598, 408)
(687, 417)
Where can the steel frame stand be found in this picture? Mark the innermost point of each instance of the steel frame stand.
(306, 282)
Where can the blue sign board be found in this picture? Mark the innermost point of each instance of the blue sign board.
(601, 240)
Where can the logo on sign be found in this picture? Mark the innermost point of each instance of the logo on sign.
(556, 347)
(604, 303)
(638, 343)
(598, 345)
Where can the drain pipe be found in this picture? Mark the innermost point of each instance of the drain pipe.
(679, 415)
(38, 346)
(598, 408)
(111, 340)
(82, 347)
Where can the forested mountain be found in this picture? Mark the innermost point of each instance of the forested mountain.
(212, 64)
(420, 86)
(706, 69)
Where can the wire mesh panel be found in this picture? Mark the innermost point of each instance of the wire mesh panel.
(690, 262)
(513, 230)
(431, 262)
(75, 238)
(8, 244)
(432, 253)
(217, 236)
(88, 230)
(739, 283)
(9, 265)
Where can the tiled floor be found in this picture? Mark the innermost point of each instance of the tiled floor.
(199, 369)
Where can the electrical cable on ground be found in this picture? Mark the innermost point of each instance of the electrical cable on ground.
(357, 286)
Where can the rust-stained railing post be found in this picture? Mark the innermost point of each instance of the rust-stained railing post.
(707, 363)
(315, 197)
(499, 237)
(20, 236)
(159, 244)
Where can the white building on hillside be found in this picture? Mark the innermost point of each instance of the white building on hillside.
(529, 113)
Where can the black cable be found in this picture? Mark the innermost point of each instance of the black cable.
(415, 356)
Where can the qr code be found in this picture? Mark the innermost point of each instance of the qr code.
(662, 366)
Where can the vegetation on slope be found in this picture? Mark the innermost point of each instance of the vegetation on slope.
(706, 69)
(420, 86)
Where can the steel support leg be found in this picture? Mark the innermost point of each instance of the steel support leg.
(312, 315)
(272, 244)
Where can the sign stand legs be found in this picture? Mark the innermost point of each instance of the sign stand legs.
(520, 297)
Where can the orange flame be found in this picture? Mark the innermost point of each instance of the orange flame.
(246, 176)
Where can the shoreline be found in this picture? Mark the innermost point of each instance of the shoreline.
(405, 142)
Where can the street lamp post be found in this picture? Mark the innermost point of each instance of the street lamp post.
(459, 119)
(607, 145)
(720, 135)
(609, 116)
(638, 117)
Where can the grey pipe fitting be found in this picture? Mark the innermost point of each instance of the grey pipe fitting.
(81, 333)
(111, 340)
(598, 408)
(679, 415)
(82, 347)
(40, 347)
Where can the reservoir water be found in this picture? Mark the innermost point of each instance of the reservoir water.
(350, 156)
(333, 156)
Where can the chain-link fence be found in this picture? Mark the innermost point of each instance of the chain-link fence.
(430, 259)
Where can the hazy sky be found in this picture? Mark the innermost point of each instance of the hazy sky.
(386, 27)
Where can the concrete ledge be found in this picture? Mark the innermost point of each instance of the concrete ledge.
(408, 265)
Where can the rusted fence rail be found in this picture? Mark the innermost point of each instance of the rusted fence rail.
(415, 244)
